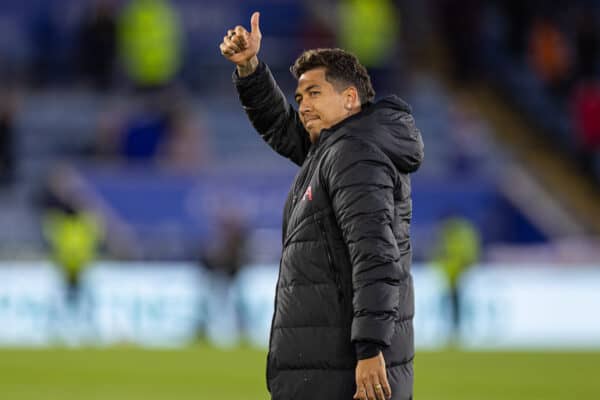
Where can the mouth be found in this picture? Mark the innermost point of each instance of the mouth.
(308, 120)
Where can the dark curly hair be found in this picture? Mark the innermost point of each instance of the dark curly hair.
(342, 69)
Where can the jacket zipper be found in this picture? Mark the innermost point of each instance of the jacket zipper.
(330, 258)
(298, 184)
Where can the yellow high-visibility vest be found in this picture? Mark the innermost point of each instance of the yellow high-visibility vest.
(150, 41)
(369, 29)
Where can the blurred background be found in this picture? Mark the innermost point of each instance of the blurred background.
(140, 213)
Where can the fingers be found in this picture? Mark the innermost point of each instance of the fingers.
(240, 36)
(233, 42)
(230, 44)
(365, 391)
(370, 386)
(371, 393)
(239, 40)
(378, 389)
(373, 388)
(254, 23)
(225, 50)
(361, 394)
(385, 385)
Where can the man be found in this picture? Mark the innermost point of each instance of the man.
(342, 325)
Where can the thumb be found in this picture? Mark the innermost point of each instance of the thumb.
(254, 23)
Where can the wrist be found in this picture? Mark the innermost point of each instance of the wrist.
(248, 67)
(365, 350)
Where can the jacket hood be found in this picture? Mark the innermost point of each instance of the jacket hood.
(389, 124)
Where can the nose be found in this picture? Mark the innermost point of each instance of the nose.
(305, 107)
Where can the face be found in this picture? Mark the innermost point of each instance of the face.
(320, 105)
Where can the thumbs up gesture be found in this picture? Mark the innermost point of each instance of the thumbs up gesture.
(241, 47)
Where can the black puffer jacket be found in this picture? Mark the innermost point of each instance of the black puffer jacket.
(345, 269)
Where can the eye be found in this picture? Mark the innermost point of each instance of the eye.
(313, 93)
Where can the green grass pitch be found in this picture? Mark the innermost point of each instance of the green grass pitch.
(201, 372)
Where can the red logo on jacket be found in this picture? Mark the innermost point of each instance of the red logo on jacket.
(307, 194)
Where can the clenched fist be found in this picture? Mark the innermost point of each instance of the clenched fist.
(241, 47)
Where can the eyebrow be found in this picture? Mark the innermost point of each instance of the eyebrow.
(313, 86)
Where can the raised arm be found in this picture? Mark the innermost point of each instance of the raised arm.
(267, 108)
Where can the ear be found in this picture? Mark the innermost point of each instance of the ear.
(351, 98)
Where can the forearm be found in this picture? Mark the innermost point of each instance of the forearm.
(269, 111)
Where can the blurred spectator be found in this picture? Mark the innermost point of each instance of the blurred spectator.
(224, 257)
(563, 50)
(228, 252)
(550, 54)
(189, 147)
(97, 44)
(370, 30)
(150, 42)
(460, 24)
(587, 44)
(160, 129)
(74, 234)
(145, 133)
(457, 250)
(585, 112)
(7, 149)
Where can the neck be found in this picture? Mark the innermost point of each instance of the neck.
(314, 137)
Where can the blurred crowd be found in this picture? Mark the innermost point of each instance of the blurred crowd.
(105, 35)
(129, 83)
(117, 83)
(543, 55)
(152, 54)
(148, 44)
